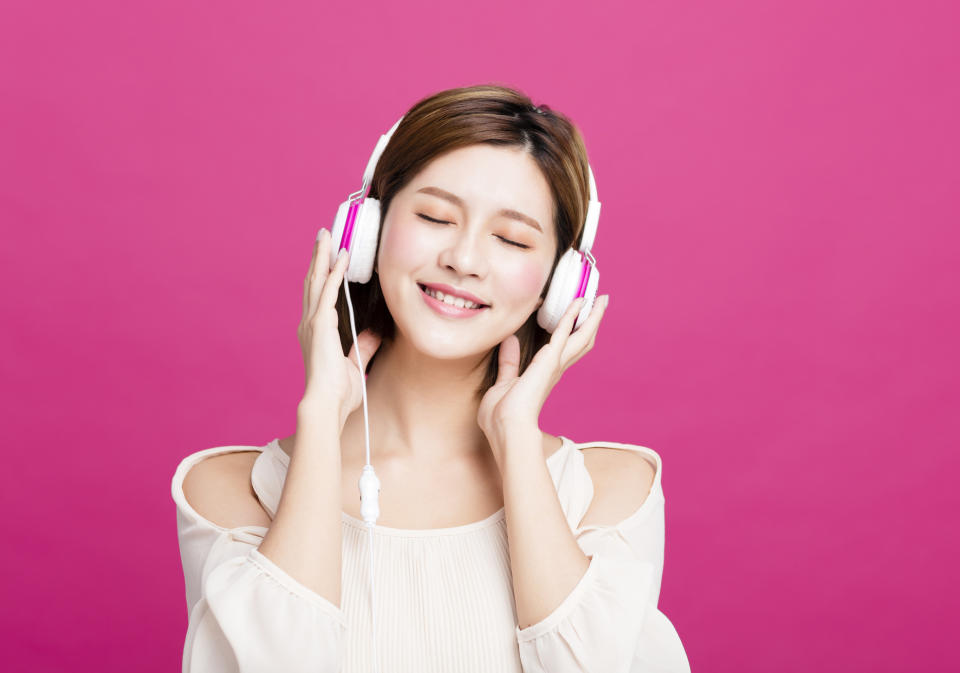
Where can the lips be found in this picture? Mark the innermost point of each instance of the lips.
(447, 290)
(449, 311)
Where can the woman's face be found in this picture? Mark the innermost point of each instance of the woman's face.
(488, 202)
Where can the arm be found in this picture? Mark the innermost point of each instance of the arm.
(606, 617)
(305, 538)
(545, 560)
(250, 611)
(250, 616)
(594, 598)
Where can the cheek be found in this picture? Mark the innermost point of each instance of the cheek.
(401, 245)
(524, 282)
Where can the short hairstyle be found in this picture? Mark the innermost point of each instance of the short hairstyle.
(454, 118)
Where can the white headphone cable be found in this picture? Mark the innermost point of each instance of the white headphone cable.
(369, 483)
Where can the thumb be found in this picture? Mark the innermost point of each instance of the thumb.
(509, 359)
(369, 341)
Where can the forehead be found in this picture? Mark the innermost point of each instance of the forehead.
(489, 178)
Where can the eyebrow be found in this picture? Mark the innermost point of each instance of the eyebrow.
(505, 212)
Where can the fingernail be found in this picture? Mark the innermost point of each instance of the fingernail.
(343, 252)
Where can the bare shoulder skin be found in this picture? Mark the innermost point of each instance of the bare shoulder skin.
(220, 490)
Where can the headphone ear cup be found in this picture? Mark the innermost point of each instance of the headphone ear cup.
(363, 239)
(363, 248)
(563, 290)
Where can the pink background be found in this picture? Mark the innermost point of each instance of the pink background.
(779, 237)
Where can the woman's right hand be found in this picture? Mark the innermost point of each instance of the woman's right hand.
(333, 381)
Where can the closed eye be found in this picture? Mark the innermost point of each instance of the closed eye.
(430, 219)
(505, 240)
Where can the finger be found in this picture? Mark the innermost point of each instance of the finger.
(369, 342)
(317, 273)
(582, 340)
(508, 365)
(586, 329)
(331, 288)
(316, 244)
(547, 357)
(562, 332)
(306, 279)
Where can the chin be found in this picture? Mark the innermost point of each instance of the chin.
(445, 338)
(448, 344)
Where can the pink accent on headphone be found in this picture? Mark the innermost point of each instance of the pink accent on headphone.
(584, 276)
(348, 226)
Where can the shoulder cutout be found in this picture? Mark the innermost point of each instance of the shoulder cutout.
(622, 480)
(220, 491)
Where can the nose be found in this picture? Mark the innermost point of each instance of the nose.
(465, 254)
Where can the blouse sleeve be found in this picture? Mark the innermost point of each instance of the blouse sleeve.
(246, 614)
(610, 621)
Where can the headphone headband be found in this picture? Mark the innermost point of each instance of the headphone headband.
(591, 221)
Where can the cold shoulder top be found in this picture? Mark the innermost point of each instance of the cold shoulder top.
(444, 597)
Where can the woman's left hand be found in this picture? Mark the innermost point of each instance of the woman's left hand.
(514, 402)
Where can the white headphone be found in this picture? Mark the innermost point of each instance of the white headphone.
(356, 228)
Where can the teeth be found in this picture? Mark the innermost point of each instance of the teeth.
(448, 299)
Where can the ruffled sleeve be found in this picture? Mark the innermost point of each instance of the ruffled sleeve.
(610, 621)
(246, 614)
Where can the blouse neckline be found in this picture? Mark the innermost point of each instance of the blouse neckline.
(491, 520)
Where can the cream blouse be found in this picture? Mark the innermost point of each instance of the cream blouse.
(444, 597)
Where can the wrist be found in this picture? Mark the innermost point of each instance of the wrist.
(325, 411)
(511, 432)
(517, 446)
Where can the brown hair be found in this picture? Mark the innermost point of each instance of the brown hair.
(455, 118)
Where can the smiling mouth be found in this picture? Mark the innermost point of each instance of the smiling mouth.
(432, 294)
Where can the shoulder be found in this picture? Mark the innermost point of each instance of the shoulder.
(623, 476)
(217, 486)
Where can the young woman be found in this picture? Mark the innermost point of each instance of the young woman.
(500, 547)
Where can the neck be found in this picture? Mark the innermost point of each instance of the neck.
(420, 408)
